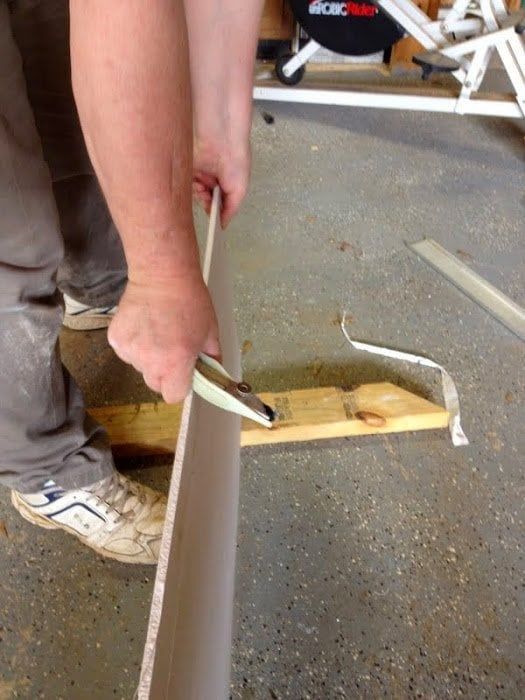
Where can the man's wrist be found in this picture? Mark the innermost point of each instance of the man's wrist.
(229, 122)
(166, 278)
(163, 257)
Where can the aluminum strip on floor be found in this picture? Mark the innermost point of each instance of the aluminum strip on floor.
(479, 290)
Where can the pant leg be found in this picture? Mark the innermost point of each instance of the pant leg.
(94, 269)
(44, 432)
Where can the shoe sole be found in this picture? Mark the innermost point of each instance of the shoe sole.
(87, 323)
(28, 514)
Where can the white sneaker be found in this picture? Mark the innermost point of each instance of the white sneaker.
(80, 317)
(117, 517)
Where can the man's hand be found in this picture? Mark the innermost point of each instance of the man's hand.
(131, 78)
(224, 164)
(130, 72)
(223, 43)
(161, 328)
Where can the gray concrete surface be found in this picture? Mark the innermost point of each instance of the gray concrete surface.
(372, 567)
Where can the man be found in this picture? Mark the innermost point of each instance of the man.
(151, 79)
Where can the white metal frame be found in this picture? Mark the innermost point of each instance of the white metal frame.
(470, 33)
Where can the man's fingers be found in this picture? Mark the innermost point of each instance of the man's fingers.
(153, 382)
(204, 200)
(199, 186)
(176, 386)
(212, 346)
(200, 190)
(202, 194)
(230, 205)
(206, 179)
(120, 349)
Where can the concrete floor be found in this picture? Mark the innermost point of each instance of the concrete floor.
(366, 567)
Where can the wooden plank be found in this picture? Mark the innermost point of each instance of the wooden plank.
(416, 88)
(305, 414)
(277, 20)
(187, 651)
(404, 49)
(314, 414)
(512, 5)
(357, 67)
(140, 429)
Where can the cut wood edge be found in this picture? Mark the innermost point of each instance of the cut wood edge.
(304, 414)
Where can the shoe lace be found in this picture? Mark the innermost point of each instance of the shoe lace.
(118, 493)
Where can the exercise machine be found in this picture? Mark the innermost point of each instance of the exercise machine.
(461, 43)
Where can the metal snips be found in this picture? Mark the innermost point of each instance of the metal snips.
(214, 384)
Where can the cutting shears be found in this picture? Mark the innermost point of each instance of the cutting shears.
(214, 384)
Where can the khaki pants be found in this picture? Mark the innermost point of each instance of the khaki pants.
(55, 234)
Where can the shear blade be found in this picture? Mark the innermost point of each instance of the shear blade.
(214, 384)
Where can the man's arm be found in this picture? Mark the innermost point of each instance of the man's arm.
(223, 42)
(131, 81)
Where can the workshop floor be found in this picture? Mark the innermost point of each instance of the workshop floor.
(370, 567)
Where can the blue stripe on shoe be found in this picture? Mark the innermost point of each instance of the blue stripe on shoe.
(90, 311)
(74, 505)
(52, 496)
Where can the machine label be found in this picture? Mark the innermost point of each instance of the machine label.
(342, 9)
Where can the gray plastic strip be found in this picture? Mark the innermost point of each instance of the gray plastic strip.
(187, 652)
